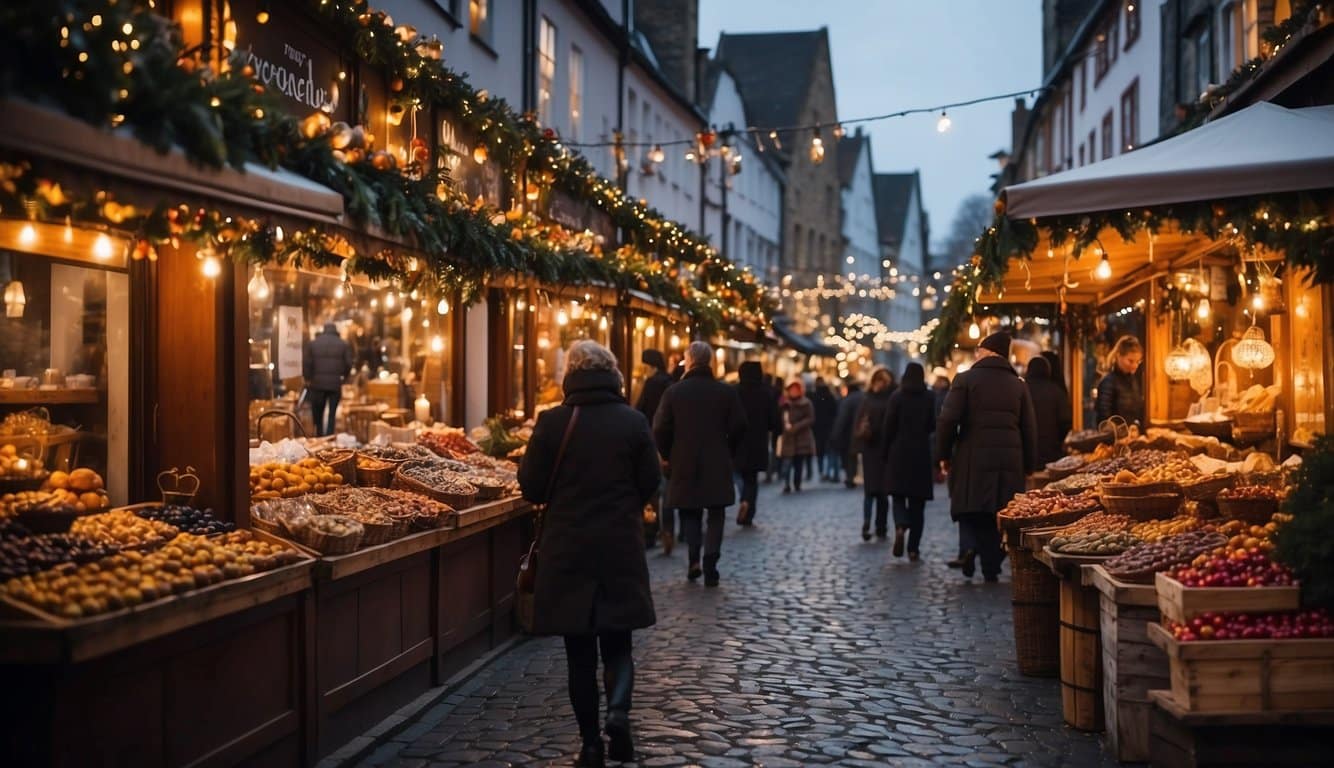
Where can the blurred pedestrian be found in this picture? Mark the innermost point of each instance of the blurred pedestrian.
(987, 440)
(826, 410)
(1051, 409)
(840, 440)
(869, 435)
(1121, 391)
(325, 366)
(762, 422)
(650, 394)
(592, 461)
(908, 426)
(775, 460)
(797, 444)
(699, 427)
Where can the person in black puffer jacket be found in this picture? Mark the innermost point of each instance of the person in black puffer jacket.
(909, 422)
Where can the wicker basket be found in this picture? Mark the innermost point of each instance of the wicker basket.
(342, 461)
(1055, 473)
(487, 490)
(1158, 506)
(1254, 511)
(331, 545)
(1011, 526)
(1108, 488)
(1219, 429)
(380, 474)
(1254, 423)
(267, 526)
(1208, 488)
(458, 501)
(1036, 604)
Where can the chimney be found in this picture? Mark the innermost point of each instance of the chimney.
(672, 28)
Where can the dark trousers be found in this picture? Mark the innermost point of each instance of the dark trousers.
(712, 539)
(986, 540)
(910, 513)
(880, 502)
(750, 490)
(850, 466)
(320, 399)
(798, 465)
(618, 677)
(965, 538)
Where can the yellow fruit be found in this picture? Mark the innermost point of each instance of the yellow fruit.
(84, 479)
(91, 500)
(58, 480)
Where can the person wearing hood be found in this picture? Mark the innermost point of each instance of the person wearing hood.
(592, 461)
(650, 394)
(1051, 407)
(797, 444)
(762, 421)
(326, 362)
(909, 422)
(840, 440)
(698, 428)
(869, 434)
(987, 442)
(826, 410)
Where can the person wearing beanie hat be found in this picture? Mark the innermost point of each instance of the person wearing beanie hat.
(986, 439)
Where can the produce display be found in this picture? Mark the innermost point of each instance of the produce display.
(1146, 559)
(1291, 625)
(1093, 542)
(13, 466)
(482, 461)
(1078, 482)
(81, 488)
(439, 478)
(1234, 568)
(1045, 503)
(22, 556)
(328, 534)
(498, 440)
(1100, 522)
(448, 442)
(124, 528)
(1135, 461)
(1157, 530)
(1250, 492)
(397, 453)
(1175, 469)
(31, 423)
(1257, 399)
(12, 504)
(132, 578)
(1066, 463)
(201, 522)
(276, 480)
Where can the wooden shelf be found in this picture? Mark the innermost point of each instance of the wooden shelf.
(49, 396)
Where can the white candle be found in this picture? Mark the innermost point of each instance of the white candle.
(422, 408)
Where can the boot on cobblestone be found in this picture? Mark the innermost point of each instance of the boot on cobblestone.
(967, 563)
(591, 755)
(898, 542)
(668, 542)
(866, 532)
(620, 744)
(711, 571)
(693, 572)
(743, 513)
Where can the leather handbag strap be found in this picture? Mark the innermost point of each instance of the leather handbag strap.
(560, 456)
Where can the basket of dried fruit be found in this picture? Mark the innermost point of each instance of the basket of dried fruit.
(340, 460)
(1154, 506)
(1251, 503)
(327, 534)
(1064, 467)
(1208, 488)
(1044, 509)
(436, 483)
(375, 473)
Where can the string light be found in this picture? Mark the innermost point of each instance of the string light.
(1104, 269)
(944, 123)
(211, 266)
(262, 15)
(817, 148)
(258, 287)
(437, 343)
(443, 307)
(1257, 301)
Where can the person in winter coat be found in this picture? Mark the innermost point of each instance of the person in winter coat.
(826, 410)
(987, 441)
(775, 386)
(650, 394)
(1121, 391)
(762, 421)
(797, 444)
(1051, 407)
(909, 422)
(869, 434)
(840, 441)
(698, 428)
(325, 364)
(592, 582)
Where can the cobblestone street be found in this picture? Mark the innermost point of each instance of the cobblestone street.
(817, 649)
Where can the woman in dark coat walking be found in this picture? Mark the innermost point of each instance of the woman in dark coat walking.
(762, 421)
(987, 442)
(826, 410)
(798, 442)
(869, 433)
(592, 582)
(909, 422)
(1051, 409)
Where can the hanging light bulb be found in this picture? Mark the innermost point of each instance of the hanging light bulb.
(562, 318)
(817, 148)
(258, 287)
(974, 332)
(674, 342)
(339, 292)
(1203, 310)
(656, 155)
(437, 343)
(211, 266)
(1104, 269)
(406, 314)
(479, 154)
(443, 307)
(1257, 301)
(602, 324)
(15, 299)
(389, 300)
(102, 247)
(262, 15)
(28, 236)
(944, 123)
(650, 331)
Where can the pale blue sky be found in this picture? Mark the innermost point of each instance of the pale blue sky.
(898, 54)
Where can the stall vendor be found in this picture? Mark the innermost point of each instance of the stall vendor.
(1121, 392)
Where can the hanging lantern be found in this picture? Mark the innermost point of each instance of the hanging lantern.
(15, 299)
(479, 154)
(1178, 364)
(1253, 353)
(817, 149)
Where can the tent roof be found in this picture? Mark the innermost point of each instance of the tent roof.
(1262, 149)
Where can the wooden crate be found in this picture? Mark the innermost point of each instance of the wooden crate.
(1182, 739)
(1181, 603)
(1248, 675)
(1131, 665)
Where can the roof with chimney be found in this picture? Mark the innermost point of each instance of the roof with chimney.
(893, 195)
(773, 70)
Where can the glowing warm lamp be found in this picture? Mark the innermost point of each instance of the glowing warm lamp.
(1253, 352)
(421, 408)
(1104, 269)
(28, 236)
(258, 287)
(1203, 310)
(437, 343)
(974, 332)
(944, 123)
(211, 266)
(443, 307)
(1178, 364)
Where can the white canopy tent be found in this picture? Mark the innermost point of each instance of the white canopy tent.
(1262, 149)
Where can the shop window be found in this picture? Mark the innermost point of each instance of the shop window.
(576, 91)
(1130, 117)
(1083, 84)
(1132, 22)
(559, 324)
(546, 70)
(64, 356)
(1197, 60)
(1093, 146)
(400, 348)
(1231, 38)
(1108, 141)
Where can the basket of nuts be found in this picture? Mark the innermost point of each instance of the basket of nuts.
(437, 483)
(1251, 503)
(1153, 506)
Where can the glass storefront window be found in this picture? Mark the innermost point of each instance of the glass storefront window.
(65, 361)
(561, 323)
(401, 347)
(653, 332)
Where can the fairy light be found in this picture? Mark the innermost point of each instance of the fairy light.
(1104, 269)
(944, 123)
(1203, 310)
(437, 343)
(974, 331)
(211, 266)
(443, 307)
(28, 236)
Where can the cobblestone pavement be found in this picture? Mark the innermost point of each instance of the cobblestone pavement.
(818, 649)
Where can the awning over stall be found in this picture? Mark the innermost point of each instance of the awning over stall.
(800, 341)
(1263, 149)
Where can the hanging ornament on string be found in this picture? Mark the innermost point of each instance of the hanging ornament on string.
(817, 148)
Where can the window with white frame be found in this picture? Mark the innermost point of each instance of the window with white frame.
(1130, 117)
(546, 69)
(576, 77)
(479, 19)
(1231, 38)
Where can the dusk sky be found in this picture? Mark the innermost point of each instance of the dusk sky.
(891, 55)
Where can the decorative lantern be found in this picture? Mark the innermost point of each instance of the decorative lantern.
(1178, 364)
(1253, 353)
(15, 299)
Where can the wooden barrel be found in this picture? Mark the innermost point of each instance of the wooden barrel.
(1035, 597)
(1081, 656)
